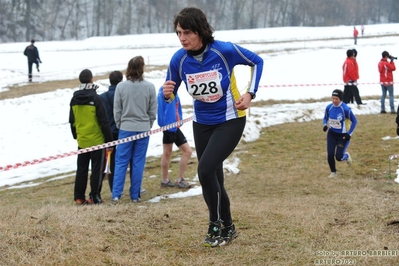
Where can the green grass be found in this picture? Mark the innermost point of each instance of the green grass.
(286, 209)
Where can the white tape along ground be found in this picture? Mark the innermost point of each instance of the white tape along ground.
(148, 133)
(93, 148)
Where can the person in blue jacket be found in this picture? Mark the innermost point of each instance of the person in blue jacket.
(205, 65)
(115, 77)
(339, 122)
(169, 113)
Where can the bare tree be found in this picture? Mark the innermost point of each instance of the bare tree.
(21, 20)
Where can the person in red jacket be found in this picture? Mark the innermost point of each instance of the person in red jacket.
(386, 79)
(355, 89)
(355, 34)
(350, 75)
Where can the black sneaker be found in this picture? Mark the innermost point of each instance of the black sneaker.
(96, 199)
(213, 237)
(228, 234)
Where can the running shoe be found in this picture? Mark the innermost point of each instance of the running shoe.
(227, 235)
(212, 239)
(349, 160)
(333, 174)
(183, 184)
(168, 184)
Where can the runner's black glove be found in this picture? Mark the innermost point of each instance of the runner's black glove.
(325, 128)
(347, 136)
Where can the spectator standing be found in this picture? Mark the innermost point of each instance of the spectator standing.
(115, 77)
(350, 75)
(135, 108)
(355, 89)
(32, 53)
(205, 66)
(90, 127)
(355, 34)
(169, 113)
(386, 79)
(362, 28)
(336, 121)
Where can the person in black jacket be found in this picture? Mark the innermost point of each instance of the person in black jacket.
(32, 53)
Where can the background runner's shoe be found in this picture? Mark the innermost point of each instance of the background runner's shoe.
(333, 174)
(349, 160)
(212, 239)
(228, 234)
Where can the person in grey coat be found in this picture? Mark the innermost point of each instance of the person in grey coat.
(135, 108)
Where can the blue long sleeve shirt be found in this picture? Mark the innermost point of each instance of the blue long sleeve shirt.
(340, 119)
(168, 113)
(211, 81)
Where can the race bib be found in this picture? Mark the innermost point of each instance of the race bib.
(205, 86)
(335, 123)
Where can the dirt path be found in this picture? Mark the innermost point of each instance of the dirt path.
(36, 87)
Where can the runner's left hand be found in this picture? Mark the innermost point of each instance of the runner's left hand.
(243, 102)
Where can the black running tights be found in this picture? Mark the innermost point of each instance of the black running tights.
(213, 144)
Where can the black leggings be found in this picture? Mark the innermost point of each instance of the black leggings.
(213, 144)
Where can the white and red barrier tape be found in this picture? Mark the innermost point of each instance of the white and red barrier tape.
(325, 84)
(179, 123)
(93, 148)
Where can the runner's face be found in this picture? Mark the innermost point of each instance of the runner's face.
(336, 100)
(190, 40)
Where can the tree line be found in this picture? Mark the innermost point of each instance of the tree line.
(49, 20)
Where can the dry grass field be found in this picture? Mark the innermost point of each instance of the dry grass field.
(286, 209)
